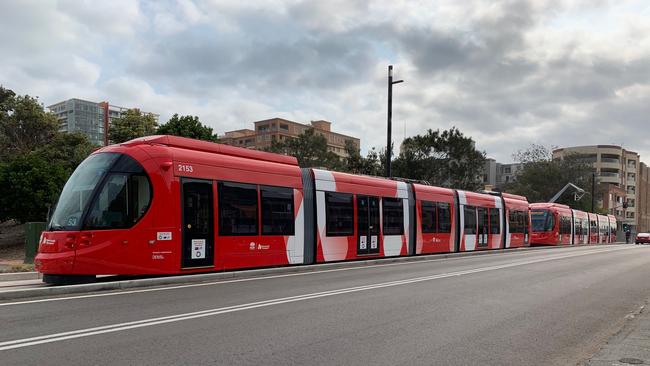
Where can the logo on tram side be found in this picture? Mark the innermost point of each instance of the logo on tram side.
(159, 255)
(253, 246)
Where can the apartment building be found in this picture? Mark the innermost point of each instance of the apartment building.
(280, 129)
(618, 178)
(497, 175)
(91, 118)
(644, 199)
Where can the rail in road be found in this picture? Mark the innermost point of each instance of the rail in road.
(532, 307)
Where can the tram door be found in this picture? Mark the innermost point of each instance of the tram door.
(198, 222)
(482, 233)
(368, 225)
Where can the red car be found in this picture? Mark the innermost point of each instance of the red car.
(642, 238)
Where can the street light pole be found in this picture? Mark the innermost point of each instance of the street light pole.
(593, 191)
(389, 149)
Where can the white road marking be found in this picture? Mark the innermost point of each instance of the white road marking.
(118, 327)
(220, 282)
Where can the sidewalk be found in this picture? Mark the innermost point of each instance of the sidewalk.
(630, 346)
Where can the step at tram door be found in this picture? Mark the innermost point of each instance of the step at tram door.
(367, 225)
(198, 223)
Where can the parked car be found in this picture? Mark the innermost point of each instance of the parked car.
(642, 238)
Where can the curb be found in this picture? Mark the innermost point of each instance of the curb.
(19, 276)
(206, 277)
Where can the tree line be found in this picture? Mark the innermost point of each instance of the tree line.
(36, 159)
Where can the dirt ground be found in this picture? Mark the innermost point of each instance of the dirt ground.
(12, 242)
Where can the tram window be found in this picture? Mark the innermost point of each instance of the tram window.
(277, 211)
(237, 209)
(513, 222)
(469, 214)
(339, 214)
(517, 221)
(565, 225)
(483, 218)
(494, 221)
(393, 215)
(428, 217)
(123, 199)
(444, 217)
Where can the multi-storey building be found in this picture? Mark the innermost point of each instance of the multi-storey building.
(91, 118)
(615, 167)
(498, 175)
(644, 198)
(279, 129)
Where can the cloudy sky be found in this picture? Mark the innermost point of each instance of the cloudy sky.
(507, 73)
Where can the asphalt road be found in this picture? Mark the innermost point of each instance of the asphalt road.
(542, 307)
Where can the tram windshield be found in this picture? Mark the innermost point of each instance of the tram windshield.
(123, 194)
(542, 220)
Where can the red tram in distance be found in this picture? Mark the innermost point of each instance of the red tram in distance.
(171, 205)
(558, 224)
(552, 224)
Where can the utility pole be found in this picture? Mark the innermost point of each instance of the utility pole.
(389, 149)
(593, 191)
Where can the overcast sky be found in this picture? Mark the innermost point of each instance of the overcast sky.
(507, 73)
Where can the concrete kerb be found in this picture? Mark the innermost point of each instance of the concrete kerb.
(209, 277)
(19, 276)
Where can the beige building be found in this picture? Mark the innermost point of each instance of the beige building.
(279, 129)
(644, 199)
(619, 168)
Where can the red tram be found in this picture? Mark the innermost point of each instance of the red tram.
(613, 228)
(170, 205)
(551, 224)
(557, 224)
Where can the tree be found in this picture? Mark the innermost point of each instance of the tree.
(187, 126)
(357, 164)
(132, 124)
(542, 177)
(67, 150)
(446, 158)
(29, 184)
(35, 159)
(310, 148)
(24, 125)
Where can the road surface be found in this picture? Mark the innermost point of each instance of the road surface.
(539, 307)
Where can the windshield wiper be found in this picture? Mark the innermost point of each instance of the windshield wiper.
(57, 228)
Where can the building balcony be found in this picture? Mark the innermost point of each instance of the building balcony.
(610, 160)
(609, 165)
(609, 178)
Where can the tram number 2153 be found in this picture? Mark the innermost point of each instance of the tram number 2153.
(185, 168)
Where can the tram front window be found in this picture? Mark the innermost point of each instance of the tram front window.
(78, 191)
(123, 194)
(542, 220)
